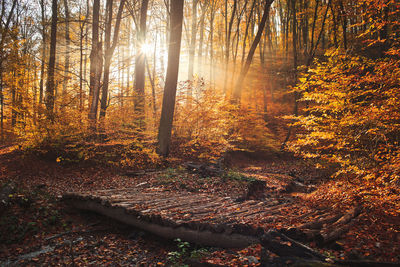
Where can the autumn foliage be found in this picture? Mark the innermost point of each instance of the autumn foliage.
(351, 116)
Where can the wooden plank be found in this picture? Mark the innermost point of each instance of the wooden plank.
(182, 202)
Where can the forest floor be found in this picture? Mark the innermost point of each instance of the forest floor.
(37, 228)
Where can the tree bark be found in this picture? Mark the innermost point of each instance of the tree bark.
(67, 55)
(227, 43)
(140, 70)
(192, 48)
(246, 67)
(1, 109)
(168, 107)
(344, 24)
(94, 65)
(247, 31)
(109, 51)
(43, 9)
(50, 88)
(201, 40)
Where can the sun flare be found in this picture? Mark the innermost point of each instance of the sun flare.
(146, 48)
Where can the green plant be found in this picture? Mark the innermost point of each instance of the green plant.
(171, 175)
(236, 176)
(178, 257)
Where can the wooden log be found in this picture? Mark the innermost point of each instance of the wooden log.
(169, 228)
(319, 223)
(336, 233)
(142, 172)
(285, 246)
(256, 189)
(354, 212)
(5, 193)
(364, 263)
(304, 235)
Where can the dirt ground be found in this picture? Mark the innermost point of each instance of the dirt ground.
(38, 229)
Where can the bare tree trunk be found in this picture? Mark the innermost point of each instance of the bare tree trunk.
(344, 24)
(246, 67)
(212, 17)
(247, 31)
(313, 26)
(81, 59)
(201, 40)
(192, 47)
(287, 30)
(305, 28)
(153, 89)
(109, 51)
(1, 109)
(294, 22)
(85, 58)
(227, 43)
(140, 68)
(43, 9)
(50, 88)
(67, 55)
(5, 30)
(334, 26)
(94, 66)
(168, 107)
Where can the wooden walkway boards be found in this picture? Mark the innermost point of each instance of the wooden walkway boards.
(195, 217)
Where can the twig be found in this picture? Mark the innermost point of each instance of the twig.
(70, 232)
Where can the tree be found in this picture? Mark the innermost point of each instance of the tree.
(168, 106)
(140, 64)
(228, 38)
(67, 54)
(50, 88)
(192, 47)
(246, 67)
(43, 32)
(4, 31)
(109, 51)
(95, 67)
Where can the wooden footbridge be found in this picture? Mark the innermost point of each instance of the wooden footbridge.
(208, 219)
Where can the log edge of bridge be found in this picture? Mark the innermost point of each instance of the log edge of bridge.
(202, 237)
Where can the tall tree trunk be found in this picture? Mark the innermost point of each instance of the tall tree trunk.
(1, 109)
(81, 60)
(41, 83)
(67, 52)
(201, 40)
(305, 28)
(140, 68)
(294, 22)
(153, 89)
(239, 84)
(287, 29)
(50, 88)
(94, 66)
(85, 57)
(109, 51)
(296, 96)
(192, 47)
(168, 107)
(344, 23)
(212, 17)
(246, 32)
(3, 32)
(334, 26)
(227, 43)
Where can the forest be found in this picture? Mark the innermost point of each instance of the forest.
(199, 133)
